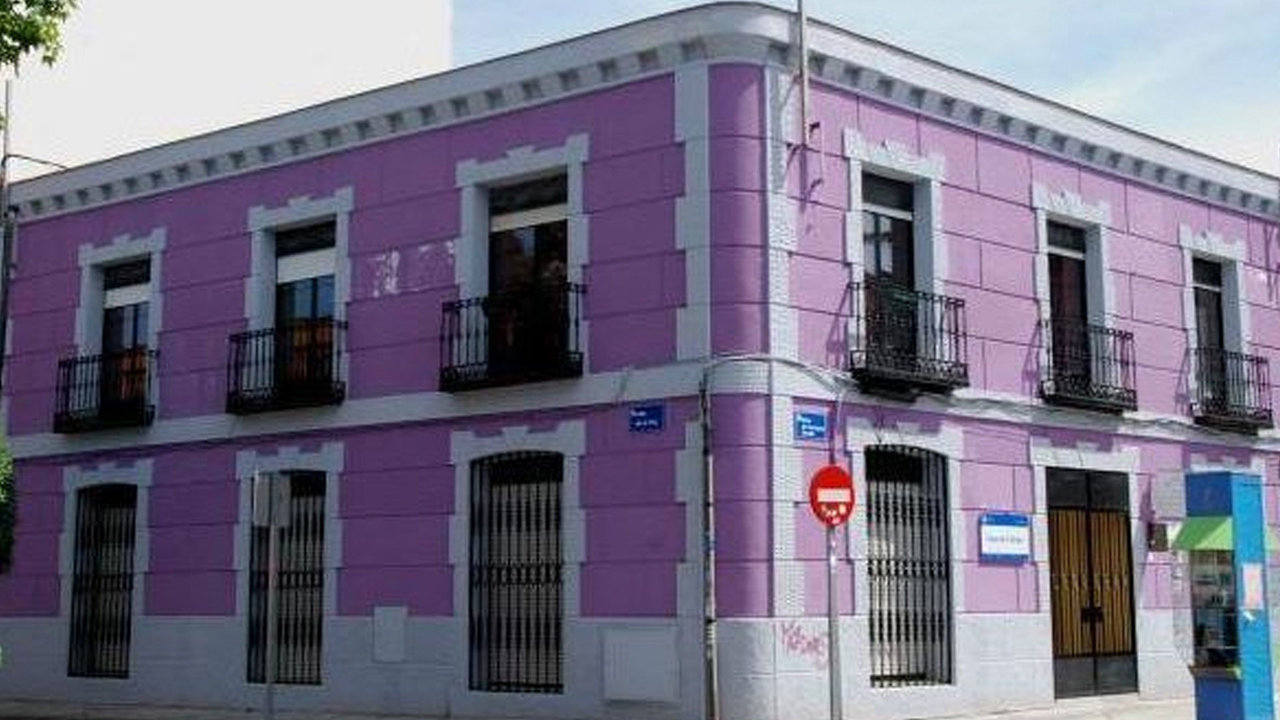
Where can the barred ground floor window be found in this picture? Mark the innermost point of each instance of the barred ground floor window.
(300, 587)
(909, 567)
(516, 623)
(102, 586)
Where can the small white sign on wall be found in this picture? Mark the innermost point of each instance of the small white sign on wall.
(1005, 538)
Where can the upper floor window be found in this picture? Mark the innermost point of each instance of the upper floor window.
(528, 324)
(905, 340)
(304, 274)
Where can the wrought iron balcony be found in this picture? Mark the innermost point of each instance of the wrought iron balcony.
(526, 335)
(1233, 391)
(906, 342)
(297, 365)
(96, 392)
(1088, 366)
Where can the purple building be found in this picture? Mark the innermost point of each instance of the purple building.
(462, 325)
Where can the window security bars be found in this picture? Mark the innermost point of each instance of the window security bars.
(102, 588)
(296, 365)
(1233, 390)
(909, 567)
(1088, 366)
(528, 334)
(907, 340)
(516, 586)
(105, 391)
(300, 624)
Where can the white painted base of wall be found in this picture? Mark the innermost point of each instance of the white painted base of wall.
(770, 669)
(199, 662)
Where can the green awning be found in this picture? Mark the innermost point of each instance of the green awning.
(1215, 533)
(1205, 533)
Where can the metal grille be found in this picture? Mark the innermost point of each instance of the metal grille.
(297, 365)
(101, 391)
(908, 337)
(1090, 366)
(516, 631)
(523, 335)
(299, 631)
(1233, 390)
(102, 589)
(909, 567)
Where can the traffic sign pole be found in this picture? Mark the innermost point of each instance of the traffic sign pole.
(833, 627)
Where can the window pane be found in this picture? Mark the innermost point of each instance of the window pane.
(1206, 272)
(528, 195)
(888, 193)
(1209, 318)
(305, 239)
(324, 296)
(124, 328)
(1066, 237)
(134, 272)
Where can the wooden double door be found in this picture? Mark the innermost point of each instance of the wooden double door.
(1091, 583)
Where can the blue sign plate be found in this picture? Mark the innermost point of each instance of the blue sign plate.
(647, 418)
(811, 425)
(1004, 538)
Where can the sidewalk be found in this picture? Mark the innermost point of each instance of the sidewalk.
(1106, 708)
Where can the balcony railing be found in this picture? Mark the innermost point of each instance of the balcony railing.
(519, 336)
(297, 365)
(1088, 366)
(105, 391)
(1233, 390)
(906, 341)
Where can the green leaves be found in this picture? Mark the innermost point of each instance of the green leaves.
(8, 509)
(32, 26)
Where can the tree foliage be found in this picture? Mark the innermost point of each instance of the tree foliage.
(8, 508)
(32, 27)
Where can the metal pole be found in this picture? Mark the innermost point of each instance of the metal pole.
(833, 627)
(804, 73)
(6, 230)
(710, 666)
(273, 567)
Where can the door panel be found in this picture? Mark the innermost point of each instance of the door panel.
(1091, 583)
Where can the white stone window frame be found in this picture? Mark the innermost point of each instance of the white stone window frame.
(895, 161)
(76, 478)
(330, 459)
(89, 312)
(1233, 255)
(1126, 459)
(948, 440)
(569, 439)
(1068, 208)
(264, 222)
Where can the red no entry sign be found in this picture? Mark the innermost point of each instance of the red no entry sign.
(831, 495)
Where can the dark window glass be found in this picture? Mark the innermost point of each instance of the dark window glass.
(1066, 237)
(1206, 273)
(1067, 289)
(306, 299)
(886, 193)
(528, 256)
(542, 192)
(124, 328)
(304, 239)
(1209, 329)
(887, 249)
(134, 272)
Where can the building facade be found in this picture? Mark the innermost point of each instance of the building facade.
(460, 327)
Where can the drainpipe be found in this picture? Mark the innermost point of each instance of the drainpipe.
(803, 18)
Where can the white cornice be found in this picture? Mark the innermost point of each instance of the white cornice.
(732, 31)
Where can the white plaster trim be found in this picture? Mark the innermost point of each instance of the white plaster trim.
(1232, 253)
(78, 477)
(671, 380)
(329, 459)
(569, 439)
(693, 210)
(1068, 208)
(260, 286)
(689, 491)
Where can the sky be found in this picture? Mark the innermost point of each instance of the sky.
(1202, 73)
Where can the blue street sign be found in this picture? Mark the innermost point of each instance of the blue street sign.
(1004, 538)
(648, 418)
(811, 425)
